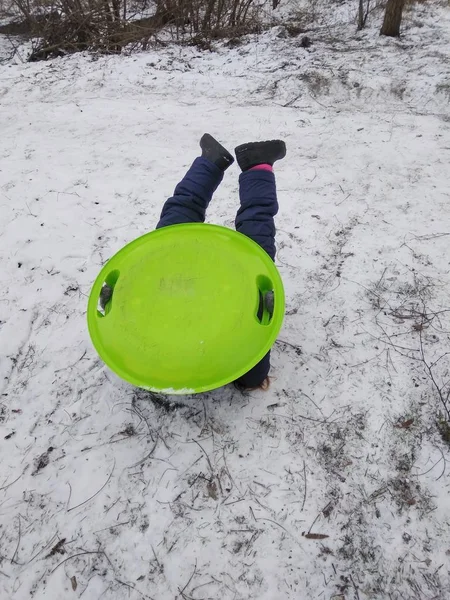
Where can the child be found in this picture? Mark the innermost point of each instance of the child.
(255, 217)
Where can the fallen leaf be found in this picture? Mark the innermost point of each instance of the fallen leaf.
(73, 581)
(315, 536)
(405, 425)
(273, 406)
(212, 490)
(57, 548)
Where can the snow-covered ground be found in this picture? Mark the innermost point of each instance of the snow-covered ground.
(334, 483)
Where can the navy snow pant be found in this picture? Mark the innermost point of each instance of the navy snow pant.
(254, 218)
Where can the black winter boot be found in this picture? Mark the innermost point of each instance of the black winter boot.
(258, 153)
(215, 152)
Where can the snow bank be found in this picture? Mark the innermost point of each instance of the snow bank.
(334, 483)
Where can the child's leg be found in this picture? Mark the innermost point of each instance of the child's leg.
(192, 195)
(194, 192)
(255, 217)
(259, 205)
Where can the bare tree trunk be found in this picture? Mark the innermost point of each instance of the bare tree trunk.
(116, 10)
(392, 18)
(363, 13)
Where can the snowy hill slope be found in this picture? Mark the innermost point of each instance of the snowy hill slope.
(335, 482)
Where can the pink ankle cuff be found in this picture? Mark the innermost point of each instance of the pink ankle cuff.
(262, 167)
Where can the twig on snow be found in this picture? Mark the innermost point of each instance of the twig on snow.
(17, 547)
(322, 421)
(389, 343)
(134, 588)
(149, 455)
(5, 487)
(346, 198)
(304, 477)
(70, 495)
(111, 526)
(430, 469)
(315, 536)
(160, 479)
(354, 585)
(228, 470)
(439, 389)
(156, 558)
(364, 362)
(96, 493)
(43, 548)
(29, 211)
(81, 554)
(295, 347)
(430, 236)
(73, 364)
(312, 401)
(197, 587)
(313, 523)
(189, 580)
(206, 455)
(445, 464)
(272, 521)
(112, 505)
(290, 102)
(134, 409)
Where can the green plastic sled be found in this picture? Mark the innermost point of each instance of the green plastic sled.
(186, 308)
